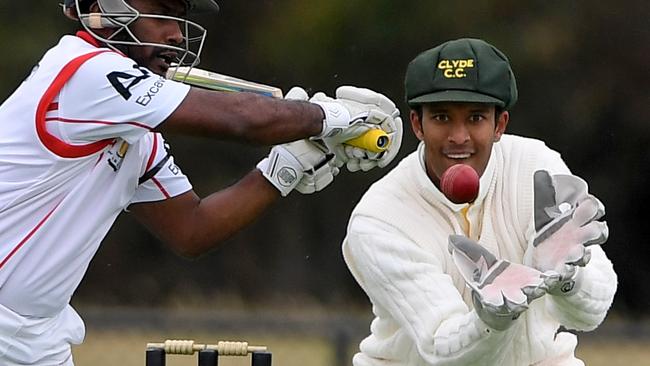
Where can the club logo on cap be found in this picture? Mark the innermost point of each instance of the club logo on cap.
(455, 69)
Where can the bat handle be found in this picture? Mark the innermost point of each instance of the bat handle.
(374, 140)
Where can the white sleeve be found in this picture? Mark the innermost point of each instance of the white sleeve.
(110, 97)
(552, 161)
(411, 285)
(587, 308)
(161, 178)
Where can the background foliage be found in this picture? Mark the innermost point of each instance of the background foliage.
(582, 69)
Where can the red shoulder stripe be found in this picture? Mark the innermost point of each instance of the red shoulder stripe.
(50, 141)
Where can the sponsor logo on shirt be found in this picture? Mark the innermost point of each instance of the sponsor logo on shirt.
(124, 81)
(145, 99)
(116, 155)
(174, 169)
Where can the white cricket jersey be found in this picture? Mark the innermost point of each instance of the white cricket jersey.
(76, 148)
(397, 249)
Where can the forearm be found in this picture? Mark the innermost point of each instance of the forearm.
(244, 117)
(192, 226)
(222, 214)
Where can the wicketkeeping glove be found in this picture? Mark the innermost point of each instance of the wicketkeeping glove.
(366, 109)
(501, 290)
(565, 225)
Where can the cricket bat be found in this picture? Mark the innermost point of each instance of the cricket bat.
(374, 140)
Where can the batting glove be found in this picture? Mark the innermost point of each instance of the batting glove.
(297, 93)
(566, 223)
(360, 159)
(501, 290)
(358, 111)
(301, 165)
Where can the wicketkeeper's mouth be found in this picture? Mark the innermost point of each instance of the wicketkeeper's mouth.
(457, 156)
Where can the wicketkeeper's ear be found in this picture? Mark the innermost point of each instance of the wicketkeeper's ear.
(416, 125)
(501, 124)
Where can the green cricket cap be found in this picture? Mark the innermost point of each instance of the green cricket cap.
(462, 70)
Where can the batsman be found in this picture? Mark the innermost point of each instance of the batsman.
(496, 280)
(81, 141)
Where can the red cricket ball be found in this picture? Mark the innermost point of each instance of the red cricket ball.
(460, 183)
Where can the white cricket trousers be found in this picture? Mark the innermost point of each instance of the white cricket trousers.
(26, 340)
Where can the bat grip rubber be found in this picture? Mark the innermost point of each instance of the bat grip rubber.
(374, 140)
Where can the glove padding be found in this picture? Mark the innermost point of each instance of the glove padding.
(565, 225)
(501, 290)
(297, 93)
(367, 109)
(301, 165)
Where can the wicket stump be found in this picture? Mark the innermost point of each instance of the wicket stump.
(208, 354)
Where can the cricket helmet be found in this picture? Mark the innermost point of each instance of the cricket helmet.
(193, 6)
(120, 15)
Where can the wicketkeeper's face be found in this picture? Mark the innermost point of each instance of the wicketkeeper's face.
(455, 133)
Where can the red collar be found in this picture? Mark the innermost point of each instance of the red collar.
(88, 38)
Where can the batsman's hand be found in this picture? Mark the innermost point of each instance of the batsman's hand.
(297, 93)
(362, 110)
(501, 290)
(301, 165)
(566, 223)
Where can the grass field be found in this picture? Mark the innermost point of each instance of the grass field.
(120, 348)
(104, 348)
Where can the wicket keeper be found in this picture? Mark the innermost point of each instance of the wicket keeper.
(492, 282)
